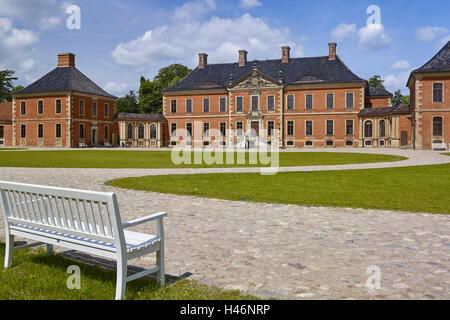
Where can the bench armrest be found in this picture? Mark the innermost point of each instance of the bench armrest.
(148, 218)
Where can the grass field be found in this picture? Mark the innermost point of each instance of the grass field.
(36, 276)
(162, 159)
(415, 189)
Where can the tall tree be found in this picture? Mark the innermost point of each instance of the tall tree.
(6, 84)
(397, 99)
(128, 104)
(170, 75)
(376, 82)
(406, 100)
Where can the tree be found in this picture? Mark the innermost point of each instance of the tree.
(397, 99)
(376, 82)
(6, 84)
(17, 88)
(128, 104)
(406, 100)
(170, 75)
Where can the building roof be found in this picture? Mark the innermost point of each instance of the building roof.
(377, 92)
(64, 79)
(139, 116)
(297, 70)
(439, 63)
(5, 112)
(401, 109)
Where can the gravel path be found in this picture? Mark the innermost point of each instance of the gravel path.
(284, 251)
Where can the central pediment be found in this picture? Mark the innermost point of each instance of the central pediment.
(255, 80)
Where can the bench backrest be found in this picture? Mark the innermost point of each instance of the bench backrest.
(86, 214)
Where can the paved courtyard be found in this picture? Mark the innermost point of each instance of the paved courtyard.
(284, 251)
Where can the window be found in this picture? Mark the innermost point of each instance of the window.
(290, 143)
(206, 129)
(188, 105)
(2, 132)
(81, 106)
(382, 129)
(223, 105)
(58, 106)
(141, 130)
(330, 127)
(330, 100)
(270, 128)
(290, 128)
(255, 103)
(239, 128)
(290, 102)
(58, 131)
(329, 143)
(173, 106)
(437, 126)
(23, 108)
(189, 129)
(223, 129)
(173, 129)
(309, 143)
(153, 131)
(106, 112)
(437, 92)
(40, 131)
(239, 104)
(94, 108)
(309, 101)
(106, 132)
(81, 131)
(270, 103)
(368, 129)
(349, 127)
(308, 127)
(206, 105)
(23, 131)
(40, 109)
(349, 100)
(349, 143)
(130, 131)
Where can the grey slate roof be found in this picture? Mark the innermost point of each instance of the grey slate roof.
(65, 79)
(139, 116)
(401, 109)
(377, 92)
(439, 63)
(297, 70)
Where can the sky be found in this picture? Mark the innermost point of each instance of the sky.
(118, 41)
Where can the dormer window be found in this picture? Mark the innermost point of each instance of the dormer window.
(310, 78)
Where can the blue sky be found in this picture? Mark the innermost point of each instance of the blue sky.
(121, 40)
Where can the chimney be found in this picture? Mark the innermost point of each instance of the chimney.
(286, 52)
(202, 60)
(242, 58)
(66, 60)
(332, 51)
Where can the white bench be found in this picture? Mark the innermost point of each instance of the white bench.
(439, 146)
(80, 220)
(82, 145)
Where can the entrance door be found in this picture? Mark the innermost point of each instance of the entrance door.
(94, 137)
(404, 138)
(255, 128)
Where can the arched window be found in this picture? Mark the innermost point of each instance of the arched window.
(368, 129)
(141, 131)
(153, 131)
(130, 131)
(382, 129)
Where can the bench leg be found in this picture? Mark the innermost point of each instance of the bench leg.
(160, 276)
(9, 251)
(121, 282)
(49, 249)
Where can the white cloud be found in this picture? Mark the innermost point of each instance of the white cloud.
(19, 39)
(430, 33)
(444, 41)
(401, 65)
(42, 14)
(373, 36)
(248, 4)
(393, 82)
(221, 38)
(5, 25)
(27, 65)
(343, 31)
(116, 87)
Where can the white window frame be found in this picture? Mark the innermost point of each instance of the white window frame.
(220, 129)
(293, 128)
(208, 135)
(226, 108)
(186, 105)
(23, 109)
(251, 102)
(106, 107)
(293, 102)
(267, 103)
(242, 105)
(353, 127)
(209, 105)
(326, 101)
(40, 114)
(312, 128)
(187, 131)
(326, 128)
(353, 100)
(432, 93)
(312, 101)
(40, 124)
(242, 129)
(56, 106)
(82, 102)
(96, 108)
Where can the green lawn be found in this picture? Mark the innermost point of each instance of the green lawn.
(415, 189)
(12, 149)
(36, 276)
(162, 159)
